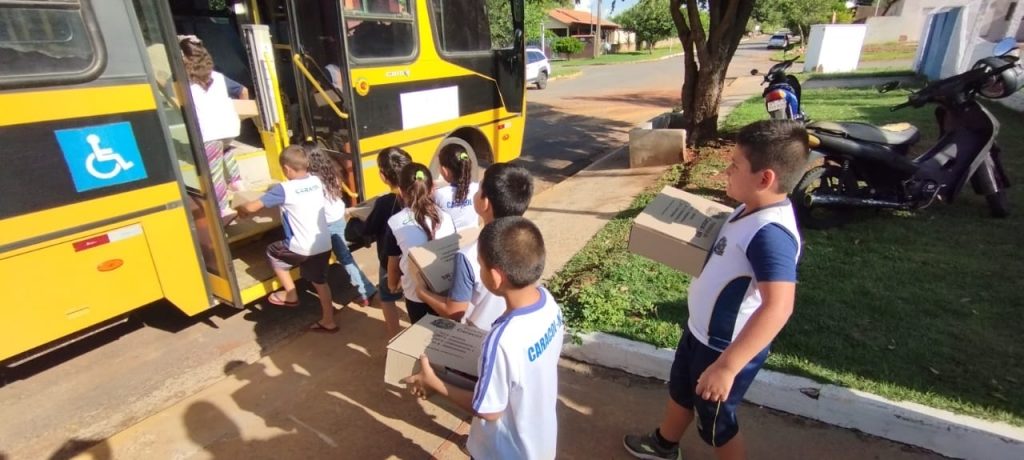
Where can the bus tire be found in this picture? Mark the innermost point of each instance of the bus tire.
(435, 163)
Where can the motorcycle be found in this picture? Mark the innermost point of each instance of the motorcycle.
(782, 92)
(867, 166)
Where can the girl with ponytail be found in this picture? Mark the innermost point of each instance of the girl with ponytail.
(457, 199)
(420, 221)
(390, 162)
(328, 169)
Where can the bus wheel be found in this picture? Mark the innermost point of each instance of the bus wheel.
(435, 163)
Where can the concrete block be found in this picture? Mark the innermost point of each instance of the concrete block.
(656, 147)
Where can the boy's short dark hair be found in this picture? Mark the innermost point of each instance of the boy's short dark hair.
(509, 188)
(779, 145)
(514, 246)
(294, 156)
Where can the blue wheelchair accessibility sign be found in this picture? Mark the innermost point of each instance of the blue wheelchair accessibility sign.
(102, 155)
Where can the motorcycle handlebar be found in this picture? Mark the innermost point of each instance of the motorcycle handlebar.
(943, 88)
(900, 106)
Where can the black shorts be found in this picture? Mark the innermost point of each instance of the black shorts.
(417, 310)
(716, 422)
(311, 268)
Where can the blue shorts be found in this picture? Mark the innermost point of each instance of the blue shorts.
(716, 422)
(382, 286)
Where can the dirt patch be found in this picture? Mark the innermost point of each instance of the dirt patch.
(706, 173)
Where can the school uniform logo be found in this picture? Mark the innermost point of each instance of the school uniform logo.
(720, 246)
(444, 324)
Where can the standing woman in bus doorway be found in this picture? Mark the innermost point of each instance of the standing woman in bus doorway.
(218, 121)
(457, 198)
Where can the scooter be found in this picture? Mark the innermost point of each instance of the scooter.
(782, 92)
(867, 166)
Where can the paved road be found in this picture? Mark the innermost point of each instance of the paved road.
(575, 121)
(56, 404)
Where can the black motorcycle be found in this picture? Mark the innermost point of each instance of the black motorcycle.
(782, 92)
(867, 166)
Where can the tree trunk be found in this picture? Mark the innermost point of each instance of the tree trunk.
(704, 99)
(706, 59)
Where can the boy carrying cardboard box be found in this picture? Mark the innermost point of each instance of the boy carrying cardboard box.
(741, 300)
(505, 191)
(515, 398)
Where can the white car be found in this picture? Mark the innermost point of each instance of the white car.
(538, 69)
(778, 41)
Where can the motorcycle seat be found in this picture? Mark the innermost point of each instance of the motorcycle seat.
(897, 134)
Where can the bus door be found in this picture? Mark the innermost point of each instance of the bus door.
(319, 64)
(178, 109)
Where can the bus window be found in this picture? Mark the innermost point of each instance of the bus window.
(56, 40)
(380, 29)
(159, 59)
(463, 24)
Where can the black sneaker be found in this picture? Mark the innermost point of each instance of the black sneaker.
(647, 447)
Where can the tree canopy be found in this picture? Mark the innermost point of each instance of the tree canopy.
(650, 19)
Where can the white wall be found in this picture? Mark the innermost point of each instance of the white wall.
(834, 47)
(888, 29)
(982, 23)
(906, 19)
(995, 26)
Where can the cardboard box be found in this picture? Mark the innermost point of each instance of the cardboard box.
(450, 346)
(678, 229)
(246, 108)
(436, 259)
(362, 211)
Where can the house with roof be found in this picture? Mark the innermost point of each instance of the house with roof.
(565, 22)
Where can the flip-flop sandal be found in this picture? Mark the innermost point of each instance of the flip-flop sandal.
(319, 328)
(275, 300)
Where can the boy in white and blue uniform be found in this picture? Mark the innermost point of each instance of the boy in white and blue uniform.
(515, 398)
(742, 298)
(505, 191)
(307, 242)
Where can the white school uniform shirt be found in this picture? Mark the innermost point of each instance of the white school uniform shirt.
(334, 210)
(408, 235)
(463, 213)
(519, 377)
(484, 306)
(302, 214)
(217, 116)
(761, 246)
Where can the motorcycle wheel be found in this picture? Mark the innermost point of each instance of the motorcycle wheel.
(819, 180)
(998, 204)
(778, 115)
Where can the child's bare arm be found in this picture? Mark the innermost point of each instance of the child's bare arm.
(394, 274)
(251, 207)
(444, 306)
(423, 382)
(274, 197)
(455, 304)
(777, 300)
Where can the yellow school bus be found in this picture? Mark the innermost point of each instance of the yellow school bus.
(106, 198)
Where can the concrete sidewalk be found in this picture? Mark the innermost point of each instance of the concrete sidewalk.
(323, 395)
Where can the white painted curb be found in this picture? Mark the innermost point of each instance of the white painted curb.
(937, 430)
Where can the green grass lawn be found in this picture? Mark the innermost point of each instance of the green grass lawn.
(918, 306)
(880, 52)
(560, 71)
(862, 73)
(619, 58)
